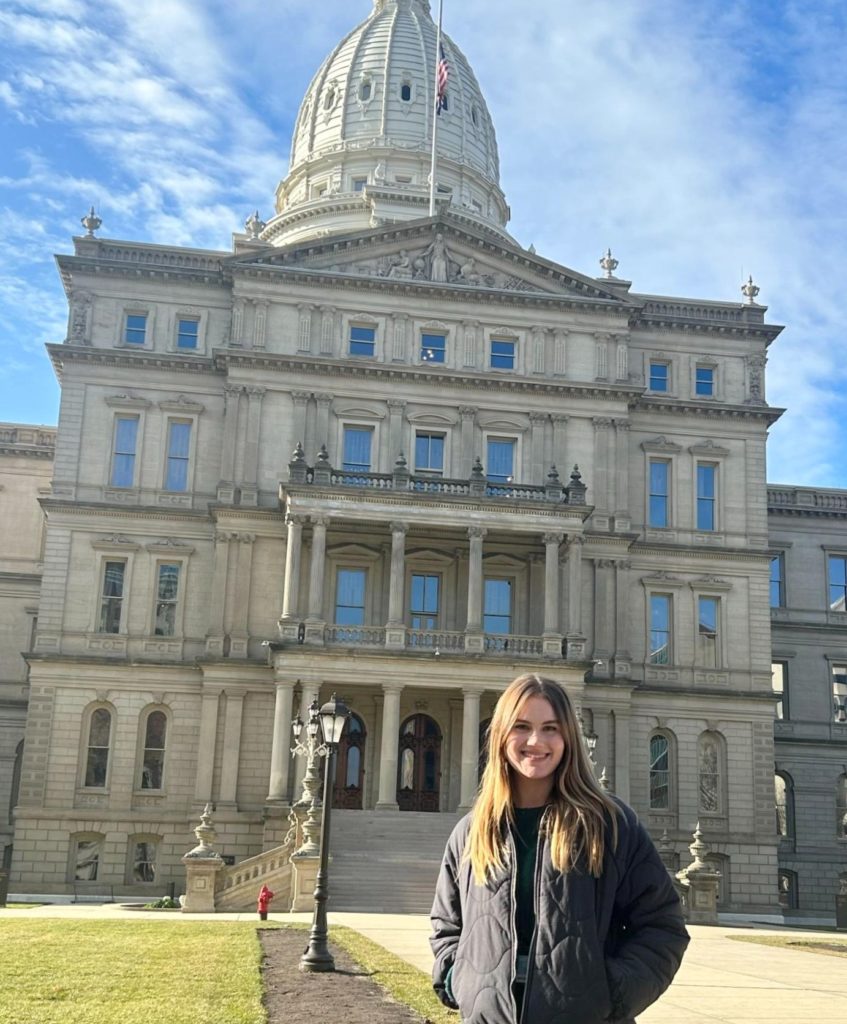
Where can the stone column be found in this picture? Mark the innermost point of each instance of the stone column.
(552, 627)
(217, 598)
(468, 414)
(389, 749)
(604, 616)
(304, 328)
(250, 474)
(622, 518)
(281, 743)
(291, 586)
(623, 659)
(241, 599)
(206, 746)
(470, 747)
(317, 570)
(474, 638)
(226, 487)
(600, 518)
(301, 402)
(396, 443)
(395, 631)
(324, 401)
(575, 638)
(538, 424)
(232, 748)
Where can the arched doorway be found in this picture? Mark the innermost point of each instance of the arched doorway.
(350, 766)
(419, 776)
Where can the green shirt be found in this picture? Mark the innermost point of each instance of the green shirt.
(525, 834)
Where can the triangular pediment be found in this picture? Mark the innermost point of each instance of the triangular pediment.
(441, 252)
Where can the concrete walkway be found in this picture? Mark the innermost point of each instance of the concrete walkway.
(722, 981)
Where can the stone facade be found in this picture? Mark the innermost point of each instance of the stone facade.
(339, 457)
(808, 530)
(26, 466)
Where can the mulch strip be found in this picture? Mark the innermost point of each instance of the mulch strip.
(346, 995)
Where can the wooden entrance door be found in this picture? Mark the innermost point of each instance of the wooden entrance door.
(419, 775)
(350, 766)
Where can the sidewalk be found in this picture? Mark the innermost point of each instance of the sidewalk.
(722, 981)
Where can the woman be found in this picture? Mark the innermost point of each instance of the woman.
(552, 905)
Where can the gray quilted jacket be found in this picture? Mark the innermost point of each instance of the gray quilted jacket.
(604, 948)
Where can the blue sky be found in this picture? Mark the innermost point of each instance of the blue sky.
(701, 141)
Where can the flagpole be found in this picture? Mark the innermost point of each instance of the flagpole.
(435, 110)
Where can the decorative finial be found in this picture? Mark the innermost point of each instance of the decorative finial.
(477, 472)
(400, 462)
(91, 222)
(298, 455)
(206, 836)
(323, 455)
(750, 291)
(553, 475)
(532, 250)
(255, 225)
(609, 263)
(605, 781)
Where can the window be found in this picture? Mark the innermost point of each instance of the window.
(359, 184)
(841, 808)
(357, 449)
(660, 773)
(779, 681)
(179, 442)
(135, 329)
(97, 756)
(778, 581)
(153, 761)
(839, 693)
(167, 591)
(433, 348)
(187, 333)
(706, 496)
(659, 377)
(445, 101)
(424, 601)
(704, 381)
(329, 99)
(500, 459)
(362, 341)
(85, 853)
(350, 597)
(406, 92)
(708, 609)
(429, 453)
(143, 859)
(709, 774)
(502, 352)
(366, 90)
(784, 804)
(497, 607)
(659, 509)
(660, 629)
(475, 115)
(124, 451)
(477, 205)
(787, 889)
(112, 596)
(837, 583)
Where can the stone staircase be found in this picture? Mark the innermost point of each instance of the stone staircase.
(386, 862)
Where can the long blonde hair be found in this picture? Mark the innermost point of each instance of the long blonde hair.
(579, 811)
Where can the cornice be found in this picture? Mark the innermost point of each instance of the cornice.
(715, 410)
(701, 554)
(225, 360)
(97, 510)
(739, 329)
(787, 500)
(670, 689)
(29, 451)
(121, 357)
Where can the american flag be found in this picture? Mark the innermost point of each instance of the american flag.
(442, 77)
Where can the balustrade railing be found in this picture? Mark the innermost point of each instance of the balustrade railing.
(435, 640)
(502, 643)
(356, 636)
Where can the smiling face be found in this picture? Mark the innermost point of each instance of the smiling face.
(534, 748)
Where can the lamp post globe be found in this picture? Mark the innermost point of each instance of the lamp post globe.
(317, 958)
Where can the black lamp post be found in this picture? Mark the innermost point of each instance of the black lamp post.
(333, 716)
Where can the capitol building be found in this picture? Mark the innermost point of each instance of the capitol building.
(392, 454)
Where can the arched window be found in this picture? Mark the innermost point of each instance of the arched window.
(841, 807)
(16, 779)
(784, 803)
(660, 772)
(406, 91)
(85, 853)
(787, 882)
(710, 773)
(365, 90)
(154, 732)
(143, 855)
(98, 745)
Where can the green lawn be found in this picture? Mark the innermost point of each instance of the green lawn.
(134, 972)
(826, 944)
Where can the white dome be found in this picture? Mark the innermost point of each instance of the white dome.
(360, 155)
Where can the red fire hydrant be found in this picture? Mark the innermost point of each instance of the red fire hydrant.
(265, 897)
